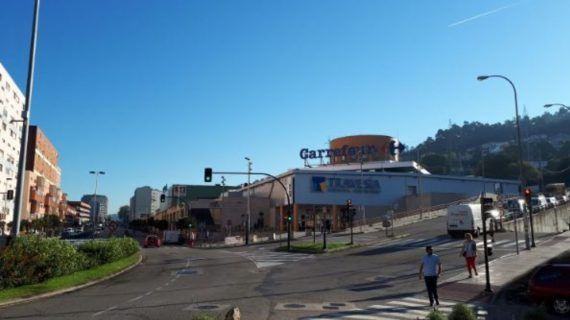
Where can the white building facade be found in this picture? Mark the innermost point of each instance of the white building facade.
(11, 108)
(144, 203)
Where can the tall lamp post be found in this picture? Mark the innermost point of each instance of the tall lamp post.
(519, 144)
(19, 199)
(94, 201)
(248, 221)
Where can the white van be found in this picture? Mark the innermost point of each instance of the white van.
(463, 218)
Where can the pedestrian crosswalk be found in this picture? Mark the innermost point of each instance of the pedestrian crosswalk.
(400, 309)
(264, 258)
(445, 242)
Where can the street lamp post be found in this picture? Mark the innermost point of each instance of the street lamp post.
(19, 197)
(248, 222)
(485, 77)
(94, 201)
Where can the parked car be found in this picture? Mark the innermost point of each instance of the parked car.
(515, 207)
(552, 202)
(536, 205)
(550, 285)
(152, 241)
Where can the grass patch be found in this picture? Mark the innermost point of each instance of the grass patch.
(71, 280)
(309, 247)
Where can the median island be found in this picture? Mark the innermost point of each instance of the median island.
(317, 248)
(32, 266)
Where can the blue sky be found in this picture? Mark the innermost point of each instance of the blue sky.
(154, 91)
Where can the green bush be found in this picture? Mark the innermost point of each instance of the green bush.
(32, 259)
(461, 312)
(100, 252)
(536, 314)
(436, 315)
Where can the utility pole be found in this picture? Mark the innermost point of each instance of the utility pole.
(19, 199)
(248, 222)
(362, 207)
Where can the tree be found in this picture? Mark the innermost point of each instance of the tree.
(124, 214)
(161, 224)
(435, 163)
(185, 223)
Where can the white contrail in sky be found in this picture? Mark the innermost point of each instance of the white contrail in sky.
(482, 15)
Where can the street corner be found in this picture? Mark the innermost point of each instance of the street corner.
(466, 292)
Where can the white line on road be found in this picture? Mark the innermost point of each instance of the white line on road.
(106, 310)
(135, 299)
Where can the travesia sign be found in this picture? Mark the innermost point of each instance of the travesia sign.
(347, 151)
(328, 184)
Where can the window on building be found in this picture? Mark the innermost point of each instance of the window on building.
(1, 168)
(4, 126)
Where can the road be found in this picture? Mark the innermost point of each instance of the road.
(377, 281)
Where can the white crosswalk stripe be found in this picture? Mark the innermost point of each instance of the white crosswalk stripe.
(445, 243)
(405, 308)
(266, 259)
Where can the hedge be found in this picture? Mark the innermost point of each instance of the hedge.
(100, 252)
(33, 259)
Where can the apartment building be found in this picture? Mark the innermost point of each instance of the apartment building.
(11, 108)
(42, 184)
(144, 203)
(99, 206)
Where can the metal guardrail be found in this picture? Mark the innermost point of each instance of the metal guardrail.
(405, 214)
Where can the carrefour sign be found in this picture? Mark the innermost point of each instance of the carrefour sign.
(346, 185)
(347, 151)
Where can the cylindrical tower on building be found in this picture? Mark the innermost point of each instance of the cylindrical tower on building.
(366, 147)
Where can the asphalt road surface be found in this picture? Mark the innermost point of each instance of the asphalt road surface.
(376, 281)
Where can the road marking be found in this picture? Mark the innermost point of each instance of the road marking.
(159, 288)
(406, 308)
(148, 293)
(103, 311)
(135, 299)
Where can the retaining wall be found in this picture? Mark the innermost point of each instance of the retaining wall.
(548, 221)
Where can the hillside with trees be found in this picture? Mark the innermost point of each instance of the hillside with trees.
(490, 150)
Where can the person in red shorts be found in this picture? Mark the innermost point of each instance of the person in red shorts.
(469, 251)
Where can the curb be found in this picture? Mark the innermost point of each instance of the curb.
(66, 290)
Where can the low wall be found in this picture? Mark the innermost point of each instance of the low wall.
(552, 220)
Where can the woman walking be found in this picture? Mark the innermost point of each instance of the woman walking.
(469, 251)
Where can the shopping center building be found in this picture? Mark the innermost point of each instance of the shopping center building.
(364, 169)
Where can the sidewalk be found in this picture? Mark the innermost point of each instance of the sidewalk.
(502, 271)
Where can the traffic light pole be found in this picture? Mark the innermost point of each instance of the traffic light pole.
(209, 171)
(486, 253)
(528, 198)
(487, 276)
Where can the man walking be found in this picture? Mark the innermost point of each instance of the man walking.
(430, 270)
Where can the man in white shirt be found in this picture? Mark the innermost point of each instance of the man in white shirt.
(430, 270)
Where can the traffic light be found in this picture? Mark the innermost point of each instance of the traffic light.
(527, 195)
(348, 205)
(289, 219)
(162, 198)
(10, 195)
(208, 175)
(486, 204)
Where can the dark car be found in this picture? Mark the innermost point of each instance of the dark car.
(550, 285)
(151, 241)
